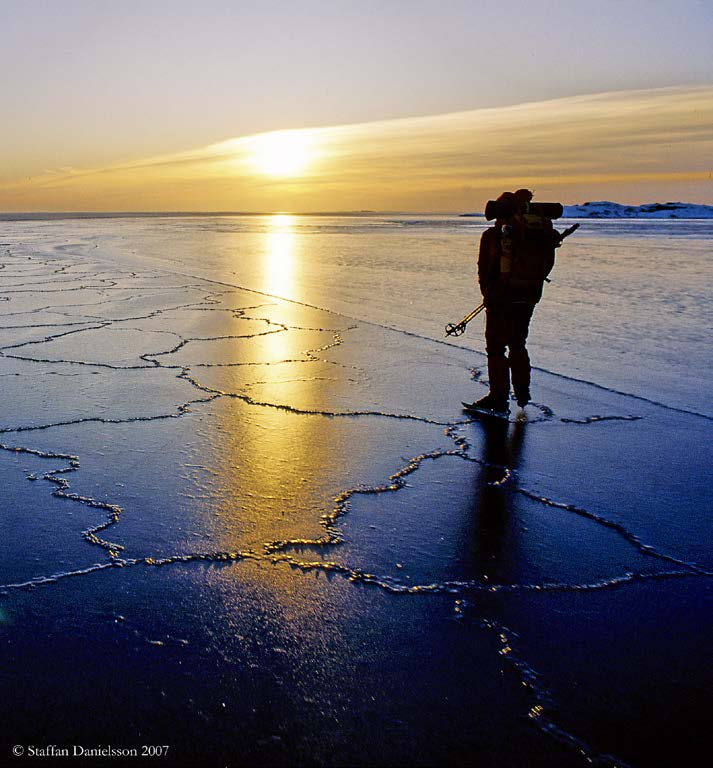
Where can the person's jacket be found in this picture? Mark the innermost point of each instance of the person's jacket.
(525, 282)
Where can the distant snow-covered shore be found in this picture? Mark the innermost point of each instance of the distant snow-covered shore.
(607, 210)
(604, 209)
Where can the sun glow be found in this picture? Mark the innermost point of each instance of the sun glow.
(282, 153)
(594, 147)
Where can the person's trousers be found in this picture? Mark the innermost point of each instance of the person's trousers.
(506, 328)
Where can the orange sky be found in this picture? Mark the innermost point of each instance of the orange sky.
(631, 146)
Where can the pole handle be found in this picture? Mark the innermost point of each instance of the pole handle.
(458, 329)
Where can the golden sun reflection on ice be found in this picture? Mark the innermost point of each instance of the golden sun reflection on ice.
(279, 255)
(278, 272)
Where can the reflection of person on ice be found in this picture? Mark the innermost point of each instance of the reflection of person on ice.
(515, 257)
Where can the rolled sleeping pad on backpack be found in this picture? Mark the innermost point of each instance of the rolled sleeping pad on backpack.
(503, 209)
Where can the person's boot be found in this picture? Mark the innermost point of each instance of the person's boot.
(499, 376)
(520, 370)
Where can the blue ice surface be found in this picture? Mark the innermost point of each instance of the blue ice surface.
(246, 500)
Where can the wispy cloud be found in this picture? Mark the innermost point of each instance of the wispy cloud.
(653, 141)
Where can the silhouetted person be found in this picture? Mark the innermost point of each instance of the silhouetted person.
(515, 257)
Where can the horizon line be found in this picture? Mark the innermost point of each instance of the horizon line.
(350, 213)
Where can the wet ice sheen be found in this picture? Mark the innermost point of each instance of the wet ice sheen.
(160, 418)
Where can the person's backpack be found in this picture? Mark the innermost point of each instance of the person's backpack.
(527, 242)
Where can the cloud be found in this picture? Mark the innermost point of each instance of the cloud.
(652, 141)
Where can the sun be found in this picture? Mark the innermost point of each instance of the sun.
(282, 153)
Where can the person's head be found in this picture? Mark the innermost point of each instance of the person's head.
(516, 199)
(506, 197)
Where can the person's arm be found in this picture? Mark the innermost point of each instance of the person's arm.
(558, 237)
(487, 256)
(550, 255)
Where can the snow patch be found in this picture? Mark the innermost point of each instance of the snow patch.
(607, 210)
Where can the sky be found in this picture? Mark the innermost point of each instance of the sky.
(398, 105)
